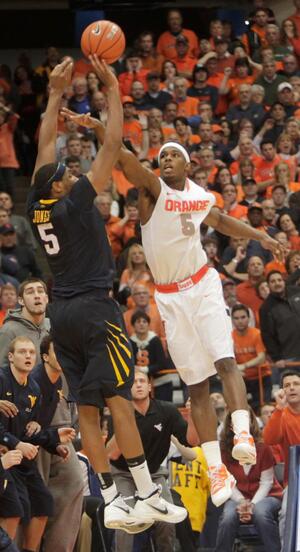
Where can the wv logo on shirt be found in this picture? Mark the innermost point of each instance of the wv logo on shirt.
(32, 399)
(158, 427)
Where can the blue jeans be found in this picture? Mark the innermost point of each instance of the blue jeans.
(264, 518)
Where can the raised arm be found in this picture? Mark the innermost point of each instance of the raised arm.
(60, 78)
(235, 228)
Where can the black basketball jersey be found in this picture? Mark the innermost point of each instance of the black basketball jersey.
(72, 233)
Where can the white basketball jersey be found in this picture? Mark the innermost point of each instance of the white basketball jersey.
(171, 237)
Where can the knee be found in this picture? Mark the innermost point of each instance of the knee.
(225, 366)
(262, 513)
(229, 516)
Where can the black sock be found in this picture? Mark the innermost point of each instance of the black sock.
(105, 480)
(133, 462)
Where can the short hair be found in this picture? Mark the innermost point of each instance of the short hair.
(13, 343)
(182, 120)
(9, 286)
(71, 138)
(139, 314)
(45, 344)
(289, 258)
(288, 372)
(72, 159)
(273, 272)
(31, 281)
(239, 307)
(264, 142)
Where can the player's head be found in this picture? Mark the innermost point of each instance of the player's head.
(33, 296)
(174, 161)
(53, 180)
(48, 354)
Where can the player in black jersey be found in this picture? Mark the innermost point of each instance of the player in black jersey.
(87, 326)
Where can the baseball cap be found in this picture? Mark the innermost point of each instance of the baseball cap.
(7, 229)
(182, 38)
(255, 206)
(127, 99)
(284, 85)
(200, 68)
(217, 128)
(153, 75)
(228, 282)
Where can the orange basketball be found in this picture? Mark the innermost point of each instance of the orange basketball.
(105, 39)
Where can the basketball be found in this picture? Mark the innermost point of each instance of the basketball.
(105, 39)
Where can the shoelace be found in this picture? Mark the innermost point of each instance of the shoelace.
(217, 476)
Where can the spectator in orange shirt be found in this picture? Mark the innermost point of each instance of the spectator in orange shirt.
(141, 300)
(215, 79)
(264, 167)
(231, 206)
(187, 107)
(166, 41)
(246, 291)
(124, 229)
(168, 75)
(215, 30)
(156, 140)
(207, 162)
(185, 63)
(150, 58)
(135, 72)
(245, 151)
(132, 128)
(224, 58)
(250, 355)
(103, 203)
(8, 300)
(257, 35)
(136, 270)
(8, 159)
(200, 177)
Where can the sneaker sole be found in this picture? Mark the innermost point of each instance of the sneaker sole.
(136, 528)
(230, 484)
(242, 454)
(167, 518)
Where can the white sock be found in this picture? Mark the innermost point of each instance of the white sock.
(142, 479)
(240, 421)
(110, 493)
(212, 453)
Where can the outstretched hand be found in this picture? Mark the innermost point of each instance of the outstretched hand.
(61, 75)
(274, 246)
(104, 72)
(83, 119)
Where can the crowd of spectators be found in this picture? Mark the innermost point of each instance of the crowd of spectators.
(234, 103)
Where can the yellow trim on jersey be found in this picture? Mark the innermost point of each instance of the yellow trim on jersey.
(122, 361)
(47, 201)
(127, 351)
(117, 372)
(113, 326)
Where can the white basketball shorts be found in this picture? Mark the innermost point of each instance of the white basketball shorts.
(198, 327)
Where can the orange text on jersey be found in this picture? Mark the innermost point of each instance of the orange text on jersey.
(186, 206)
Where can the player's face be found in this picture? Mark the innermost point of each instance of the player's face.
(141, 387)
(240, 320)
(35, 298)
(291, 387)
(172, 163)
(23, 359)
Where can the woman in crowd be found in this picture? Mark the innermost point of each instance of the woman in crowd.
(137, 269)
(257, 496)
(168, 75)
(287, 224)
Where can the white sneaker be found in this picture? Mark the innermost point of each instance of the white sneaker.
(155, 508)
(222, 484)
(244, 449)
(118, 514)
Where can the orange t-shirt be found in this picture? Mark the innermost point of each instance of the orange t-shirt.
(133, 131)
(156, 324)
(293, 187)
(235, 166)
(295, 241)
(124, 232)
(234, 85)
(123, 185)
(126, 79)
(222, 105)
(247, 347)
(82, 67)
(219, 203)
(186, 64)
(153, 62)
(115, 241)
(166, 44)
(246, 294)
(8, 157)
(238, 211)
(283, 428)
(264, 170)
(188, 107)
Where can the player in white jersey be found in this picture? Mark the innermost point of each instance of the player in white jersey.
(189, 295)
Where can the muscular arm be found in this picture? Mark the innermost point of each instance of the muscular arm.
(59, 79)
(235, 228)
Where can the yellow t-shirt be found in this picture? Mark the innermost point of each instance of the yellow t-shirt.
(191, 481)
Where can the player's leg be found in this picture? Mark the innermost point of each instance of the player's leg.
(149, 506)
(33, 533)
